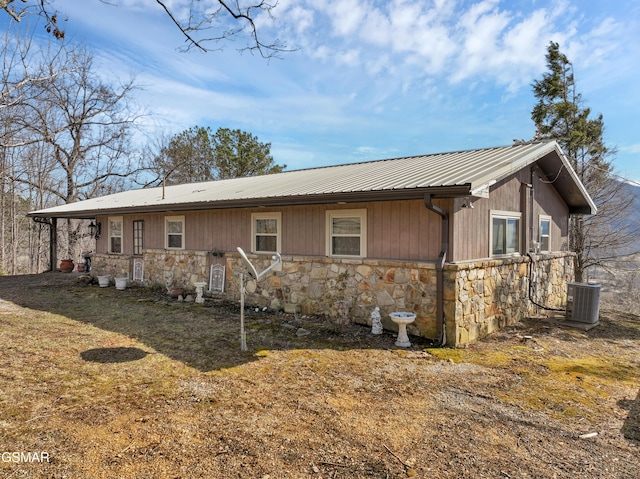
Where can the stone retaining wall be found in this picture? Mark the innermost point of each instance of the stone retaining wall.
(479, 297)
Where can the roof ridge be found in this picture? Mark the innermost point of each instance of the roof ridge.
(516, 143)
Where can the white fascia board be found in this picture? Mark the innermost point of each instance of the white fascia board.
(576, 180)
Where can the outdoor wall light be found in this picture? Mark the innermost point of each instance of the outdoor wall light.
(466, 203)
(94, 229)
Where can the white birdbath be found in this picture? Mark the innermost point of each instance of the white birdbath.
(200, 291)
(402, 319)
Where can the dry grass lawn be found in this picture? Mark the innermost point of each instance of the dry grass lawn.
(128, 384)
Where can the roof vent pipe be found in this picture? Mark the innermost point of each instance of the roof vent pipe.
(442, 258)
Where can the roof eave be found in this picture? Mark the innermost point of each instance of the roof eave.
(586, 207)
(582, 210)
(346, 197)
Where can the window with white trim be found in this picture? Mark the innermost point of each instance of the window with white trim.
(174, 232)
(544, 233)
(115, 234)
(505, 233)
(347, 233)
(266, 232)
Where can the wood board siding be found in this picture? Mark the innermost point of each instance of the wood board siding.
(549, 203)
(403, 230)
(472, 225)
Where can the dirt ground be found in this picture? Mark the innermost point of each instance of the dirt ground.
(101, 383)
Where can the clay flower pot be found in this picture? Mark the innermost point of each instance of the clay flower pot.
(66, 265)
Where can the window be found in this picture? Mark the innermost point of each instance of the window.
(265, 231)
(346, 233)
(544, 233)
(138, 237)
(174, 228)
(505, 233)
(115, 234)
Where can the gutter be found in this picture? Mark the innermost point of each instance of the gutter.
(441, 338)
(80, 210)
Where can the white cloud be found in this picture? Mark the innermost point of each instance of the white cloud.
(302, 19)
(633, 148)
(407, 72)
(350, 57)
(481, 27)
(346, 15)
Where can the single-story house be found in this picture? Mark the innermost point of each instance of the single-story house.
(470, 241)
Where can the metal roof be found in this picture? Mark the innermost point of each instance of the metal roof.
(462, 173)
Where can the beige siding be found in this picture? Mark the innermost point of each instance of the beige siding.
(395, 229)
(548, 202)
(472, 226)
(404, 230)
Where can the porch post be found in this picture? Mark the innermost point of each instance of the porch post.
(53, 244)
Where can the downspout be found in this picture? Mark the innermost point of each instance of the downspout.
(440, 317)
(532, 228)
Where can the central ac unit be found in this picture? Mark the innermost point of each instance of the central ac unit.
(583, 302)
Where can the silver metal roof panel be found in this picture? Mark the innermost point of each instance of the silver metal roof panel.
(383, 179)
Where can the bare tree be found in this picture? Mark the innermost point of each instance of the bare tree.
(65, 132)
(39, 8)
(205, 25)
(20, 82)
(86, 125)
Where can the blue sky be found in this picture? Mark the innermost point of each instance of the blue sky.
(376, 79)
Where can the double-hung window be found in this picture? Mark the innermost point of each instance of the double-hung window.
(505, 233)
(347, 233)
(266, 232)
(544, 233)
(174, 232)
(115, 234)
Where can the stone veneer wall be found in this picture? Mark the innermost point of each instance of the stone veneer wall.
(484, 296)
(317, 284)
(114, 265)
(480, 297)
(178, 268)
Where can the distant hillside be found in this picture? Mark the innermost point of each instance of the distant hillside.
(633, 190)
(633, 216)
(621, 284)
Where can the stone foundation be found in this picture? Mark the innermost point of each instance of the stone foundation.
(114, 265)
(482, 297)
(321, 285)
(479, 297)
(176, 268)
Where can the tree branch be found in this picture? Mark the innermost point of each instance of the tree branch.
(177, 23)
